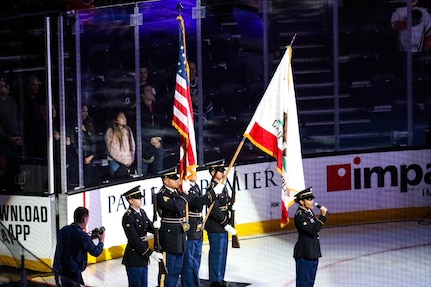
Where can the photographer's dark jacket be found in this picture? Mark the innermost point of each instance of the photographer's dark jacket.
(73, 244)
(136, 225)
(171, 207)
(308, 226)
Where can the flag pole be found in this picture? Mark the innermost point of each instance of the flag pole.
(179, 8)
(233, 159)
(235, 241)
(226, 174)
(293, 39)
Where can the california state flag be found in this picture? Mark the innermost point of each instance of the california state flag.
(274, 129)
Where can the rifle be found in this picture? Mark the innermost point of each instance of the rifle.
(157, 247)
(235, 240)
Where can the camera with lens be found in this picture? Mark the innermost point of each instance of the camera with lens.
(96, 232)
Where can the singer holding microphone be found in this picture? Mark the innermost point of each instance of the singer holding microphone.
(307, 248)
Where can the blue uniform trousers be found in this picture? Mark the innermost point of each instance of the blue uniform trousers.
(137, 276)
(217, 255)
(192, 263)
(174, 263)
(306, 272)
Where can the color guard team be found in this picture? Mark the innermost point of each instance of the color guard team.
(178, 235)
(180, 229)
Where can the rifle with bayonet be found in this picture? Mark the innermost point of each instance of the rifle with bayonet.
(157, 247)
(235, 240)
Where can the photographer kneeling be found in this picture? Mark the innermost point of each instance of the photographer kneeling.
(73, 244)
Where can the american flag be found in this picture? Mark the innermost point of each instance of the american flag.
(183, 111)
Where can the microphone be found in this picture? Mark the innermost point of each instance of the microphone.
(319, 206)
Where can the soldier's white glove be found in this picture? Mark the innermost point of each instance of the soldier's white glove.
(186, 185)
(157, 256)
(156, 224)
(230, 229)
(218, 189)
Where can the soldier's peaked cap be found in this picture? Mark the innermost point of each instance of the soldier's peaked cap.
(304, 194)
(133, 193)
(216, 165)
(171, 173)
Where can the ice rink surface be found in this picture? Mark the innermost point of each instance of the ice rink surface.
(371, 255)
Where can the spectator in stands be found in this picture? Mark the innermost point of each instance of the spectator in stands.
(143, 76)
(71, 161)
(421, 27)
(10, 123)
(208, 111)
(88, 145)
(163, 101)
(41, 130)
(33, 123)
(71, 158)
(153, 123)
(120, 146)
(143, 80)
(10, 139)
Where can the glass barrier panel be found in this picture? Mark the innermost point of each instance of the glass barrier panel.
(23, 145)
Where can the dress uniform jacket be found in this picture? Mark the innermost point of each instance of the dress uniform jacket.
(219, 215)
(196, 203)
(171, 207)
(308, 226)
(136, 225)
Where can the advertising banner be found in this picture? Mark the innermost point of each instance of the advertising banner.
(345, 184)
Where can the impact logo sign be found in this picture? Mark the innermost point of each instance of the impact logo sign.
(339, 177)
(348, 176)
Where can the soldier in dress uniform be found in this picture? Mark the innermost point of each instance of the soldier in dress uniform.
(218, 225)
(307, 248)
(172, 208)
(136, 224)
(193, 254)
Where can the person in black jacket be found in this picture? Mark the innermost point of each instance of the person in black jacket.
(193, 253)
(218, 225)
(137, 254)
(172, 208)
(154, 122)
(307, 248)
